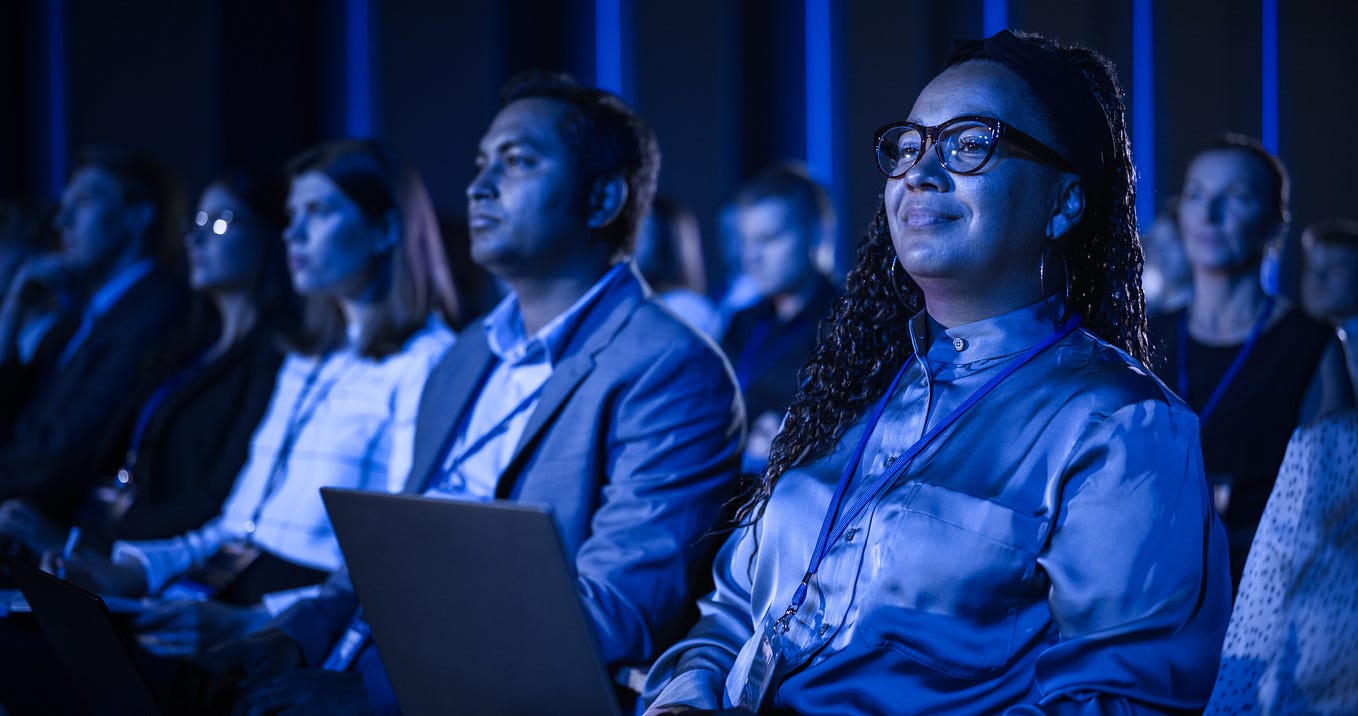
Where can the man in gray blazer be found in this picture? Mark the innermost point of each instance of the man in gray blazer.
(579, 391)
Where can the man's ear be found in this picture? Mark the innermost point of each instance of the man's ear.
(1070, 208)
(607, 198)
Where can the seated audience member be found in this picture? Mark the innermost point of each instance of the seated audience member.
(1012, 512)
(190, 438)
(1330, 281)
(739, 290)
(26, 234)
(364, 252)
(669, 254)
(1252, 366)
(578, 391)
(781, 216)
(121, 331)
(1289, 647)
(1166, 276)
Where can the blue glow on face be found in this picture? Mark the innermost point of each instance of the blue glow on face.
(1143, 108)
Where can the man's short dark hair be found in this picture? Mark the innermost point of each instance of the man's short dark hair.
(142, 178)
(608, 138)
(789, 182)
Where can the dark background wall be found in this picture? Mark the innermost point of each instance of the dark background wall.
(213, 83)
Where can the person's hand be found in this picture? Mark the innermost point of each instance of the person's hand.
(98, 574)
(185, 627)
(25, 525)
(258, 657)
(306, 692)
(42, 274)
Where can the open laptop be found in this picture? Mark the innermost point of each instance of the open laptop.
(472, 604)
(93, 647)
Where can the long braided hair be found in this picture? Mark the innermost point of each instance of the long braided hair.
(866, 338)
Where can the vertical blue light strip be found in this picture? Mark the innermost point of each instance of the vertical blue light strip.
(1269, 50)
(358, 97)
(608, 31)
(1143, 108)
(994, 16)
(57, 151)
(820, 121)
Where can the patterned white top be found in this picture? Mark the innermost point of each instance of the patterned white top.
(339, 420)
(1290, 646)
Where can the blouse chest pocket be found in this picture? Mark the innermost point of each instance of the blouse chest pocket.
(949, 574)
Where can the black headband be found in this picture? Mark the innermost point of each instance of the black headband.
(1065, 93)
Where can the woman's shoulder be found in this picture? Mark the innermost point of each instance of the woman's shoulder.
(1111, 376)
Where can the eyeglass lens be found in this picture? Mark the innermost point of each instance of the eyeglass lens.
(962, 146)
(217, 224)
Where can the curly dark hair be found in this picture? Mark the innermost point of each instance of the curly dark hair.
(866, 338)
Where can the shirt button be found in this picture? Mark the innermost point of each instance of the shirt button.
(848, 536)
(959, 345)
(823, 629)
(249, 527)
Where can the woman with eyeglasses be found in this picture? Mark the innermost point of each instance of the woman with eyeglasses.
(191, 434)
(981, 501)
(364, 253)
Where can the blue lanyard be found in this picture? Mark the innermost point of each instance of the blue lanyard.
(829, 533)
(1230, 374)
(302, 413)
(148, 411)
(455, 462)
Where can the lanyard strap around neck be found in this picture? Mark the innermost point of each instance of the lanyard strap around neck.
(829, 533)
(302, 413)
(1231, 372)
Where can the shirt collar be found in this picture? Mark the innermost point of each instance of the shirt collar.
(996, 337)
(117, 286)
(505, 332)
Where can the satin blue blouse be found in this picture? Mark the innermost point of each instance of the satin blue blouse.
(1054, 551)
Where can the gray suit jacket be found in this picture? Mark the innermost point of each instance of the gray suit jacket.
(635, 444)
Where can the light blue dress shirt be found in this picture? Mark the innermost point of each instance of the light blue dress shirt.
(485, 444)
(1054, 551)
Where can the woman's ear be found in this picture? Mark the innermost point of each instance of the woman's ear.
(606, 200)
(389, 233)
(1070, 208)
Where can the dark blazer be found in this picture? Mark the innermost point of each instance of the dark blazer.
(69, 431)
(767, 352)
(197, 439)
(634, 444)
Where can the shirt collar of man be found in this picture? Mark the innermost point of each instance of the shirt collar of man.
(997, 337)
(505, 333)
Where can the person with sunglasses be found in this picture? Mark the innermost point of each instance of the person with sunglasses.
(981, 501)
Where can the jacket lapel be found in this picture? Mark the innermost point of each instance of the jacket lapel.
(449, 393)
(595, 334)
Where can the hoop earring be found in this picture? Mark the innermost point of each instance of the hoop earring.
(1065, 280)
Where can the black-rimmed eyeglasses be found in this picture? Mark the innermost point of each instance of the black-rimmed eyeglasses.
(963, 145)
